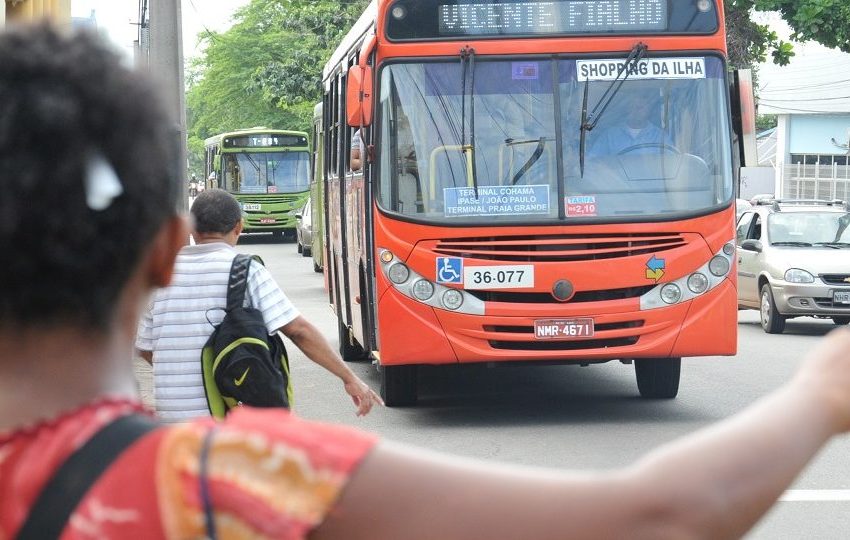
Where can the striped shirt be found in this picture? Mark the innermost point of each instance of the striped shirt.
(180, 319)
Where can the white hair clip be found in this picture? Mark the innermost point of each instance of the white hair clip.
(101, 183)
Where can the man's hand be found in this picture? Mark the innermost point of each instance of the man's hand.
(363, 396)
(826, 374)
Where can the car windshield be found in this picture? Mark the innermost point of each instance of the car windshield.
(507, 147)
(809, 228)
(266, 172)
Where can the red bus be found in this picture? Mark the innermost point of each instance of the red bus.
(544, 181)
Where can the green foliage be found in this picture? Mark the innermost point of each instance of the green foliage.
(824, 21)
(748, 43)
(266, 69)
(766, 121)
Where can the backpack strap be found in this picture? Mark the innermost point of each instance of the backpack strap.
(238, 281)
(64, 491)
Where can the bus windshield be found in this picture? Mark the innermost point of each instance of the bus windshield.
(507, 146)
(266, 172)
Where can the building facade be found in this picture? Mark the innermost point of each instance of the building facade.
(812, 102)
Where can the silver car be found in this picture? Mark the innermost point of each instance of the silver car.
(794, 260)
(304, 230)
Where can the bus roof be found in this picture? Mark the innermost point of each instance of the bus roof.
(363, 26)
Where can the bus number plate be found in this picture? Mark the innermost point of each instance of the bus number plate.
(251, 207)
(267, 220)
(510, 276)
(563, 328)
(841, 297)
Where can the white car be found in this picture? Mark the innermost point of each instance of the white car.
(304, 230)
(794, 261)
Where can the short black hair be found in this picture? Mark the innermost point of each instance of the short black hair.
(216, 211)
(66, 100)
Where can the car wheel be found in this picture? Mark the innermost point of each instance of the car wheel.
(299, 247)
(772, 321)
(399, 385)
(305, 251)
(316, 268)
(841, 320)
(658, 378)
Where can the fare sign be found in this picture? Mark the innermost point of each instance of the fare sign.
(563, 329)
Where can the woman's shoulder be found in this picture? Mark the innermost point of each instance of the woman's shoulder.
(265, 468)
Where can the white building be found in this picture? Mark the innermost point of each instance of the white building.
(811, 97)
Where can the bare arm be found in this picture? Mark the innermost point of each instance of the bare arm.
(714, 484)
(313, 344)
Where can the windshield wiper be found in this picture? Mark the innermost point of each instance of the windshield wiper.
(254, 163)
(797, 244)
(589, 121)
(541, 145)
(836, 245)
(467, 60)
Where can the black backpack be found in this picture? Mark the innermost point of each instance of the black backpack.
(241, 363)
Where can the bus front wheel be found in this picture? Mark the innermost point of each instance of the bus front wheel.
(399, 385)
(658, 378)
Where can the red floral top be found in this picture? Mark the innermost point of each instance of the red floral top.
(271, 475)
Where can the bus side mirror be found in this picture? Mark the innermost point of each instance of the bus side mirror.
(358, 96)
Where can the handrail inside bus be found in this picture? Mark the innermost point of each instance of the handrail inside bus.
(433, 163)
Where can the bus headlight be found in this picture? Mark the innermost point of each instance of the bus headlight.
(719, 266)
(698, 283)
(423, 289)
(398, 273)
(452, 299)
(671, 293)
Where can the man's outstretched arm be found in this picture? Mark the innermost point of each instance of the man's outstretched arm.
(313, 344)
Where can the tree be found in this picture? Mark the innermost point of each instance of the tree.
(266, 69)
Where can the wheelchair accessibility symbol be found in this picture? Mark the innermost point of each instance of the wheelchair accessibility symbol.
(449, 270)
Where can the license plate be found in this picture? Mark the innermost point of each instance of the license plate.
(563, 328)
(841, 297)
(514, 276)
(251, 206)
(268, 220)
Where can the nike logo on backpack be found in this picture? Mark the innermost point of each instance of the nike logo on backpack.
(241, 379)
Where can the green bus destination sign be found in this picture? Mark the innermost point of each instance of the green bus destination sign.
(571, 17)
(264, 140)
(449, 19)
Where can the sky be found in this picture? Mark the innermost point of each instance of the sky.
(117, 17)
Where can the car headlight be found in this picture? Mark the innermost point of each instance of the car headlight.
(398, 273)
(796, 275)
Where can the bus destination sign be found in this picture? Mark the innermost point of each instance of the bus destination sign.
(412, 20)
(567, 17)
(264, 140)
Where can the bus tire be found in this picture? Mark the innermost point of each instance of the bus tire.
(658, 378)
(841, 320)
(316, 268)
(349, 349)
(399, 385)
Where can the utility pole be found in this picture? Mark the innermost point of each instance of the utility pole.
(166, 65)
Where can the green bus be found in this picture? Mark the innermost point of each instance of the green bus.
(267, 170)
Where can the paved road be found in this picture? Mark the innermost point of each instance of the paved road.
(568, 416)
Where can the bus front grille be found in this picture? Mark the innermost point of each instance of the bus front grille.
(510, 297)
(560, 247)
(577, 345)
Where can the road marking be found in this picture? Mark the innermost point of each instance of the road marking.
(816, 495)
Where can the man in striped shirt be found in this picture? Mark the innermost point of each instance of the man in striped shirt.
(180, 317)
